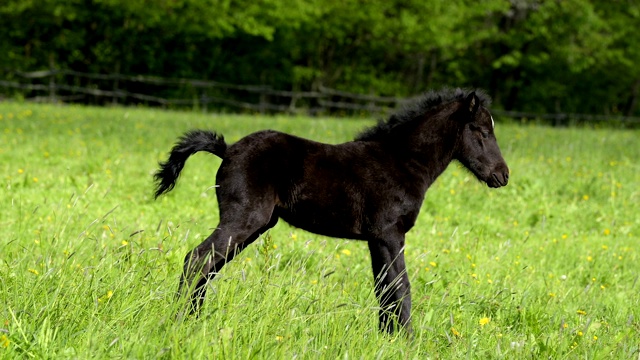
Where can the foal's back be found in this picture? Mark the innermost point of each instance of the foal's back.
(339, 190)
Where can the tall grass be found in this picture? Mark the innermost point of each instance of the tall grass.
(89, 263)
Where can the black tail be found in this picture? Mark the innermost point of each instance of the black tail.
(189, 144)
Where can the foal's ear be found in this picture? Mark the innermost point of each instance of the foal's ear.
(472, 102)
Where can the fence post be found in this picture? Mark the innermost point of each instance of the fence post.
(371, 104)
(203, 102)
(263, 95)
(263, 101)
(52, 80)
(292, 104)
(114, 101)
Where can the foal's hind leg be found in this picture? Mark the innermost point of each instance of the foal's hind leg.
(234, 233)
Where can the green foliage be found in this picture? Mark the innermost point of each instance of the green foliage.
(547, 56)
(546, 267)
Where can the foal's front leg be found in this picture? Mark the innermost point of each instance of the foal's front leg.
(391, 283)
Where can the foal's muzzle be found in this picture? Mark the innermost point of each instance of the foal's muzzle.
(499, 177)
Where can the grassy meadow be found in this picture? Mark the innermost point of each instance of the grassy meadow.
(546, 267)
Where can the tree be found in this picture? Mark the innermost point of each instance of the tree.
(534, 55)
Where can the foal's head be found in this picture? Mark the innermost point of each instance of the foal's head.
(477, 148)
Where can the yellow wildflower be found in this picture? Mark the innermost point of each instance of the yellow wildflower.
(484, 321)
(455, 332)
(4, 341)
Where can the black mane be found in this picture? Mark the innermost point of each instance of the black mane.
(418, 106)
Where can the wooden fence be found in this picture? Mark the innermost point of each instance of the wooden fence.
(73, 86)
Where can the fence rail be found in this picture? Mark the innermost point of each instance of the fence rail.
(56, 86)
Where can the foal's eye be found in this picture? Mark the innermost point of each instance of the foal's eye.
(485, 134)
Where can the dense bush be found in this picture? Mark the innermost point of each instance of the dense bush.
(546, 56)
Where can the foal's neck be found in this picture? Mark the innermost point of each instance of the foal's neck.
(432, 146)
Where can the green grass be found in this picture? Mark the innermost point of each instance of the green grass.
(545, 268)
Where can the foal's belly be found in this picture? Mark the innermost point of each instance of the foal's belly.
(339, 223)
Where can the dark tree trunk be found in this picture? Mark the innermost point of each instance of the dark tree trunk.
(633, 100)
